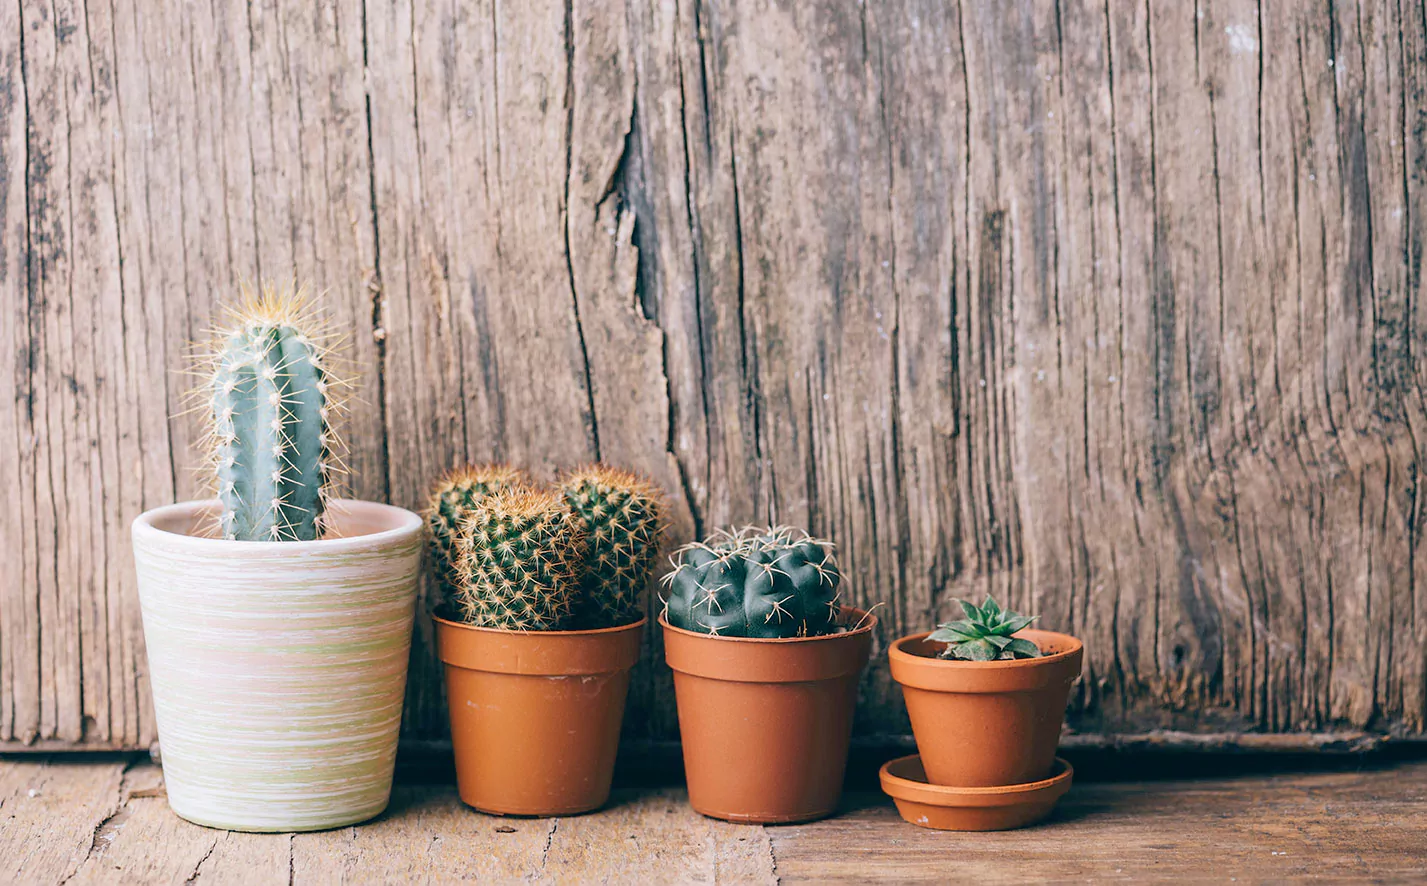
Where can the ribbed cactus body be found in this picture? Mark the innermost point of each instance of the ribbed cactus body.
(762, 583)
(517, 563)
(452, 501)
(620, 515)
(271, 435)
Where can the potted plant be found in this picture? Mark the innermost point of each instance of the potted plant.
(543, 620)
(277, 617)
(766, 666)
(986, 696)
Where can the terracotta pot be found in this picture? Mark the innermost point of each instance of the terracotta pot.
(766, 723)
(985, 723)
(971, 809)
(535, 715)
(278, 668)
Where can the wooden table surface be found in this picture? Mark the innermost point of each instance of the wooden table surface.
(105, 820)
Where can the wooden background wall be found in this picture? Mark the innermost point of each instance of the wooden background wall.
(1112, 310)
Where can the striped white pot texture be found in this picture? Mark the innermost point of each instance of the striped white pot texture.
(278, 668)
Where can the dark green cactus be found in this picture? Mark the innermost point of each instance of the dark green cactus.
(453, 499)
(271, 438)
(620, 514)
(764, 583)
(517, 562)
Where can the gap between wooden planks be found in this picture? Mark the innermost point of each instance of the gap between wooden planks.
(105, 819)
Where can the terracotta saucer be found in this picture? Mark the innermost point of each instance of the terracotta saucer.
(970, 809)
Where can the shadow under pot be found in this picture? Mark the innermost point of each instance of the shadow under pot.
(987, 723)
(535, 715)
(278, 667)
(766, 723)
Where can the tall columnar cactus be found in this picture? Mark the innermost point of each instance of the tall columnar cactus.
(268, 394)
(453, 499)
(518, 558)
(764, 583)
(620, 514)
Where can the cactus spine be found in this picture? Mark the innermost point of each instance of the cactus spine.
(620, 514)
(453, 499)
(517, 562)
(765, 583)
(268, 395)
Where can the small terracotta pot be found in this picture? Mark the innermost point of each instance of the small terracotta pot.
(766, 723)
(970, 809)
(985, 723)
(535, 715)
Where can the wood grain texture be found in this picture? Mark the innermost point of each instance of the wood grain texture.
(108, 821)
(1110, 309)
(1327, 827)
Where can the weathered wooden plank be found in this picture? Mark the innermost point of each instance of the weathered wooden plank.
(105, 822)
(1087, 370)
(622, 341)
(54, 814)
(492, 360)
(1343, 826)
(19, 632)
(429, 836)
(58, 471)
(654, 837)
(142, 841)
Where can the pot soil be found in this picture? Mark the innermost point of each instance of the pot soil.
(987, 723)
(766, 724)
(535, 715)
(278, 668)
(970, 809)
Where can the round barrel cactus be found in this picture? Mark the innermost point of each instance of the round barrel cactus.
(763, 583)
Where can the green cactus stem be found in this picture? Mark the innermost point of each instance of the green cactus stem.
(517, 562)
(271, 440)
(764, 583)
(620, 513)
(453, 499)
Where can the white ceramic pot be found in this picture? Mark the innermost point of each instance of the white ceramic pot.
(278, 668)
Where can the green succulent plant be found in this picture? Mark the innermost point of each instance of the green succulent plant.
(985, 634)
(765, 583)
(620, 514)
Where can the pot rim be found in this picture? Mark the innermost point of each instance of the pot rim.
(772, 660)
(406, 523)
(866, 624)
(922, 791)
(539, 653)
(898, 651)
(917, 672)
(508, 632)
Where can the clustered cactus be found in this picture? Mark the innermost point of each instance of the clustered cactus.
(509, 555)
(765, 583)
(619, 513)
(986, 634)
(452, 500)
(268, 393)
(518, 559)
